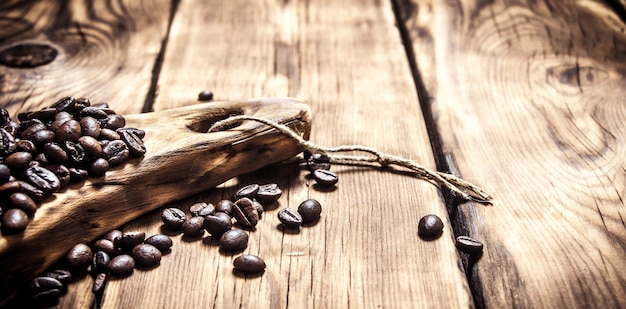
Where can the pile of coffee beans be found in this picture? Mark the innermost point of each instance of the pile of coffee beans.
(44, 151)
(116, 254)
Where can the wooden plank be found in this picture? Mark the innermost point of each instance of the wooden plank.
(106, 51)
(528, 100)
(346, 59)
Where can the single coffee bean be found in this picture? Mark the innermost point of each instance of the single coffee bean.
(34, 193)
(7, 142)
(246, 213)
(109, 134)
(249, 263)
(10, 187)
(75, 152)
(18, 161)
(310, 211)
(318, 161)
(116, 152)
(122, 265)
(248, 191)
(193, 227)
(201, 209)
(61, 275)
(105, 245)
(325, 178)
(78, 174)
(59, 119)
(268, 194)
(55, 153)
(469, 245)
(114, 121)
(205, 95)
(135, 145)
(98, 168)
(129, 239)
(14, 221)
(44, 288)
(64, 104)
(23, 202)
(112, 235)
(45, 115)
(173, 218)
(430, 226)
(25, 145)
(99, 283)
(42, 137)
(146, 255)
(5, 173)
(217, 224)
(225, 206)
(94, 112)
(68, 131)
(160, 241)
(90, 127)
(43, 179)
(100, 262)
(289, 218)
(91, 146)
(140, 133)
(79, 258)
(233, 240)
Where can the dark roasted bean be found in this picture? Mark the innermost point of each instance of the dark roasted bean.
(205, 95)
(268, 193)
(79, 174)
(201, 209)
(140, 133)
(289, 218)
(217, 224)
(106, 246)
(14, 221)
(45, 288)
(248, 263)
(64, 104)
(5, 173)
(5, 117)
(91, 146)
(42, 137)
(430, 226)
(122, 265)
(225, 206)
(109, 134)
(318, 161)
(79, 258)
(25, 145)
(34, 193)
(90, 127)
(173, 218)
(129, 239)
(75, 152)
(248, 191)
(469, 245)
(98, 168)
(43, 179)
(310, 211)
(23, 202)
(116, 152)
(325, 178)
(233, 240)
(146, 255)
(245, 213)
(7, 142)
(135, 145)
(18, 161)
(59, 119)
(61, 275)
(99, 283)
(100, 262)
(55, 153)
(94, 112)
(68, 131)
(62, 172)
(160, 241)
(114, 122)
(45, 115)
(193, 227)
(112, 235)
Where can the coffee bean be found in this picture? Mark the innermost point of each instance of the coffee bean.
(100, 262)
(94, 112)
(18, 161)
(45, 288)
(34, 193)
(193, 227)
(289, 218)
(233, 240)
(75, 152)
(135, 145)
(112, 235)
(318, 161)
(105, 245)
(68, 131)
(62, 172)
(79, 174)
(90, 127)
(55, 153)
(43, 179)
(201, 209)
(217, 224)
(146, 255)
(325, 178)
(160, 241)
(248, 191)
(245, 213)
(7, 142)
(98, 168)
(129, 239)
(14, 221)
(268, 193)
(469, 245)
(23, 202)
(42, 137)
(91, 146)
(109, 134)
(61, 275)
(310, 211)
(116, 152)
(122, 265)
(248, 263)
(25, 145)
(5, 173)
(64, 104)
(205, 95)
(225, 206)
(99, 283)
(173, 218)
(79, 258)
(430, 226)
(114, 122)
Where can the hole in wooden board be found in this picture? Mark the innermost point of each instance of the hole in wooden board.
(201, 124)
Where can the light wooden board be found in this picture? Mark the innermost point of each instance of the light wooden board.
(528, 98)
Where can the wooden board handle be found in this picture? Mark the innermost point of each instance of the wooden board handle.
(180, 161)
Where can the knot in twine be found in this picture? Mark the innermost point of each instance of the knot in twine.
(456, 185)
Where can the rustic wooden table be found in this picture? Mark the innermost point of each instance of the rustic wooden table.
(521, 98)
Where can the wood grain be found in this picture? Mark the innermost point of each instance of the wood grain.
(527, 97)
(106, 51)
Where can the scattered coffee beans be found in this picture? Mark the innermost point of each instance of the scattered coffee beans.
(469, 245)
(173, 218)
(233, 240)
(268, 194)
(79, 258)
(325, 178)
(225, 206)
(310, 211)
(43, 289)
(248, 263)
(205, 95)
(146, 255)
(122, 265)
(246, 213)
(217, 224)
(289, 218)
(129, 239)
(430, 226)
(201, 209)
(193, 227)
(248, 191)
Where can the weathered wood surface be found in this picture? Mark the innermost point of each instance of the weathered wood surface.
(346, 59)
(528, 99)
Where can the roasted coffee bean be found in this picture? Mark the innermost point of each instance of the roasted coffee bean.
(24, 202)
(45, 115)
(268, 193)
(10, 187)
(91, 146)
(90, 127)
(201, 209)
(14, 221)
(68, 131)
(248, 191)
(114, 122)
(249, 263)
(205, 95)
(225, 206)
(42, 137)
(30, 127)
(135, 145)
(160, 241)
(430, 226)
(79, 174)
(98, 168)
(64, 104)
(146, 255)
(45, 288)
(5, 173)
(55, 153)
(43, 179)
(129, 239)
(217, 224)
(62, 172)
(75, 152)
(233, 240)
(25, 145)
(140, 133)
(289, 218)
(100, 283)
(245, 213)
(122, 265)
(94, 112)
(106, 246)
(81, 103)
(116, 152)
(59, 119)
(112, 235)
(469, 245)
(7, 142)
(318, 161)
(109, 134)
(310, 211)
(325, 178)
(100, 262)
(34, 193)
(79, 258)
(18, 161)
(173, 218)
(61, 275)
(193, 227)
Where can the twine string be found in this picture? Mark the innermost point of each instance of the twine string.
(458, 186)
